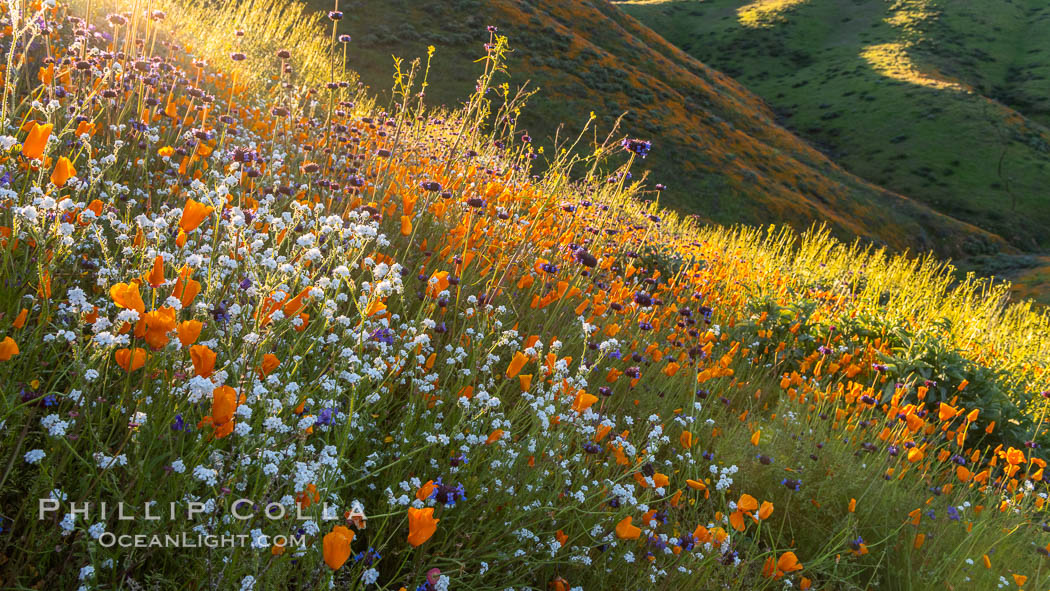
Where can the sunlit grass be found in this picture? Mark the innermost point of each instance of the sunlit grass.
(766, 13)
(892, 60)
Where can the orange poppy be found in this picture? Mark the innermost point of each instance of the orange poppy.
(736, 520)
(8, 349)
(583, 401)
(63, 172)
(421, 525)
(36, 141)
(223, 407)
(626, 531)
(1014, 456)
(374, 307)
(189, 331)
(186, 289)
(747, 503)
(126, 295)
(159, 323)
(516, 364)
(223, 404)
(438, 283)
(765, 510)
(945, 412)
(787, 563)
(269, 363)
(426, 490)
(85, 128)
(203, 360)
(20, 320)
(336, 546)
(131, 359)
(193, 214)
(686, 439)
(156, 274)
(297, 303)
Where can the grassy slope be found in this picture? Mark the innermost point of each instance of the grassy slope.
(1034, 282)
(716, 145)
(998, 47)
(1028, 274)
(836, 73)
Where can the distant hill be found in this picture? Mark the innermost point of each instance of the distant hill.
(945, 101)
(717, 146)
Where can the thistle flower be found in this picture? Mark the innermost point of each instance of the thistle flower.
(639, 147)
(448, 495)
(219, 312)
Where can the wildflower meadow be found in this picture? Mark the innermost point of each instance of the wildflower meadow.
(261, 330)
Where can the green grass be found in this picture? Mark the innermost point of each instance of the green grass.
(935, 144)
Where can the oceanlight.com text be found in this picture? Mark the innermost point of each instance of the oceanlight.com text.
(196, 540)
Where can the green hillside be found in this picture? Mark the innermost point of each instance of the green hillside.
(717, 146)
(945, 102)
